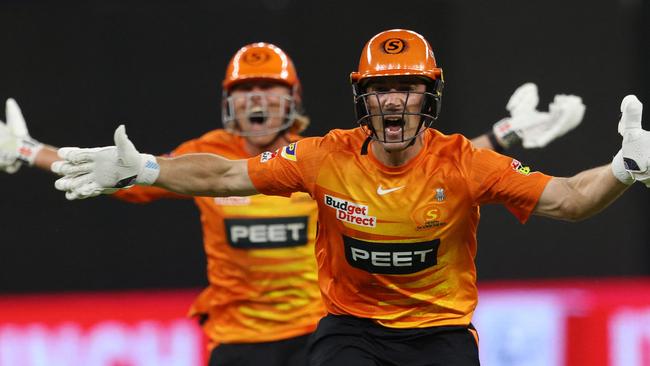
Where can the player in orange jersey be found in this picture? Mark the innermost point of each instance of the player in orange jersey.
(263, 297)
(263, 300)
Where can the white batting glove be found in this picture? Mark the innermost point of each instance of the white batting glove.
(16, 146)
(104, 170)
(633, 160)
(533, 128)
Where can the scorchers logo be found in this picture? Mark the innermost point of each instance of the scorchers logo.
(351, 212)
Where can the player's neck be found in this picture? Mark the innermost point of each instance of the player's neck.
(398, 157)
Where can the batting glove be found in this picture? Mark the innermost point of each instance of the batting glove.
(104, 170)
(633, 160)
(16, 146)
(533, 128)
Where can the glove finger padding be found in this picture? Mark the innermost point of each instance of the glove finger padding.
(572, 109)
(71, 183)
(636, 141)
(77, 155)
(62, 167)
(126, 151)
(15, 119)
(631, 114)
(89, 172)
(565, 113)
(9, 162)
(523, 100)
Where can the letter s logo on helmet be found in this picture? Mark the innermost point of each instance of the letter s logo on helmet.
(258, 62)
(398, 52)
(394, 45)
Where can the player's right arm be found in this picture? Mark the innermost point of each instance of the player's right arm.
(205, 175)
(90, 172)
(18, 148)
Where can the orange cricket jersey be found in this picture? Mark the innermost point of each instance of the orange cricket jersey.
(397, 244)
(260, 254)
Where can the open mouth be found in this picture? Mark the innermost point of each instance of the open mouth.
(393, 125)
(257, 117)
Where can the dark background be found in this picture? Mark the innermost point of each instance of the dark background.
(78, 69)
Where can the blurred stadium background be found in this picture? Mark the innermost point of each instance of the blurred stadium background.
(101, 282)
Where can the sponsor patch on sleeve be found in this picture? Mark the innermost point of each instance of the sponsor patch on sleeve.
(289, 152)
(517, 166)
(267, 155)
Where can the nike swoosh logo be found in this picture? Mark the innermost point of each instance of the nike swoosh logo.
(381, 191)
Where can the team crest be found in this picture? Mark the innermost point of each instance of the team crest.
(394, 45)
(256, 56)
(440, 194)
(289, 152)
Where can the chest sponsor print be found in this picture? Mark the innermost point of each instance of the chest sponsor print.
(350, 212)
(391, 258)
(266, 233)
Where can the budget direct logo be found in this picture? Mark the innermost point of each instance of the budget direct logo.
(350, 212)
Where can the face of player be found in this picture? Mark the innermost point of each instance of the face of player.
(394, 104)
(260, 109)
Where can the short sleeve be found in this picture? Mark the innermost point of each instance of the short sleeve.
(496, 178)
(289, 169)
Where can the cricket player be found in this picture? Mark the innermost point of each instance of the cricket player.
(263, 296)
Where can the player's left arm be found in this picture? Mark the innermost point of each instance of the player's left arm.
(530, 127)
(590, 191)
(580, 196)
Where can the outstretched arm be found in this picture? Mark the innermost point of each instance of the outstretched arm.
(527, 125)
(589, 192)
(90, 172)
(46, 157)
(17, 147)
(205, 175)
(580, 196)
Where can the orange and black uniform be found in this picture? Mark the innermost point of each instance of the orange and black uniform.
(260, 254)
(396, 245)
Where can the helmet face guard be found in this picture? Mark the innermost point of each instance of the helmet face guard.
(369, 109)
(397, 53)
(262, 62)
(258, 107)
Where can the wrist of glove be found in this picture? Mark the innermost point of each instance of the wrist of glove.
(505, 134)
(149, 170)
(28, 149)
(619, 171)
(90, 172)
